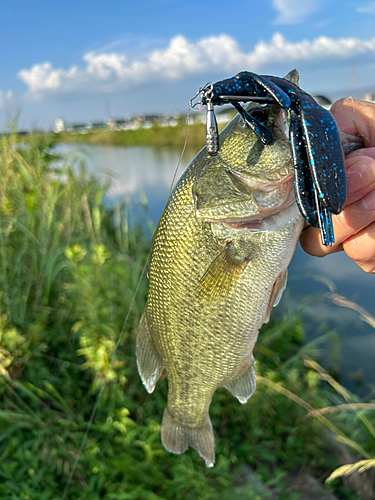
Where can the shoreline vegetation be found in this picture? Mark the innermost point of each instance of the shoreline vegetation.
(69, 276)
(154, 136)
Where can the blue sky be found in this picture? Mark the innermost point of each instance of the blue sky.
(79, 60)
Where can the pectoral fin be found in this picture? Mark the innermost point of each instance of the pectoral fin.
(222, 274)
(149, 363)
(243, 387)
(277, 291)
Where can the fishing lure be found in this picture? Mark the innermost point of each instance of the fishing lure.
(317, 154)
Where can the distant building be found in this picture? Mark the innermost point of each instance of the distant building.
(111, 124)
(59, 126)
(79, 127)
(97, 125)
(140, 121)
(369, 96)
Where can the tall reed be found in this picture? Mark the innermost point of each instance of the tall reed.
(68, 273)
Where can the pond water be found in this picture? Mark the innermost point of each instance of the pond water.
(147, 170)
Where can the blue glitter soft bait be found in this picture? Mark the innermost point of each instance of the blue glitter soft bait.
(317, 153)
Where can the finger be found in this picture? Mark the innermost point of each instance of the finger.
(356, 117)
(361, 248)
(361, 181)
(352, 220)
(311, 243)
(370, 152)
(361, 177)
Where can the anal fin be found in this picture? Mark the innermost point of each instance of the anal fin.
(149, 363)
(243, 387)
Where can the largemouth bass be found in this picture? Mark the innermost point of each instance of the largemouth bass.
(218, 264)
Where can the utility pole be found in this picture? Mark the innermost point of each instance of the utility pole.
(353, 76)
(108, 115)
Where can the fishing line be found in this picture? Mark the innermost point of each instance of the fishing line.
(97, 401)
(182, 153)
(93, 412)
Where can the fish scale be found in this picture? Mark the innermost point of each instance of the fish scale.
(212, 285)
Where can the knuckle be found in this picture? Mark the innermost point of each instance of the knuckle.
(356, 249)
(339, 104)
(368, 267)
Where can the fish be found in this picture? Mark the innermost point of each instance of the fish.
(218, 264)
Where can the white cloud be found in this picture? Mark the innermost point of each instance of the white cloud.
(294, 11)
(44, 77)
(105, 65)
(113, 72)
(367, 9)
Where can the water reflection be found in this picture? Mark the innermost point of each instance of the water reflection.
(137, 169)
(132, 170)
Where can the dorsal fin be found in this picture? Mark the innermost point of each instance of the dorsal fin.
(293, 76)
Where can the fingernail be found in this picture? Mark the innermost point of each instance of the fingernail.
(359, 176)
(368, 201)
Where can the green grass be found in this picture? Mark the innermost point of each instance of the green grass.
(68, 273)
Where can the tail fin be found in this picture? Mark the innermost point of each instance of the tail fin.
(177, 438)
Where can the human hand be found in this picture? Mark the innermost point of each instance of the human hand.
(354, 227)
